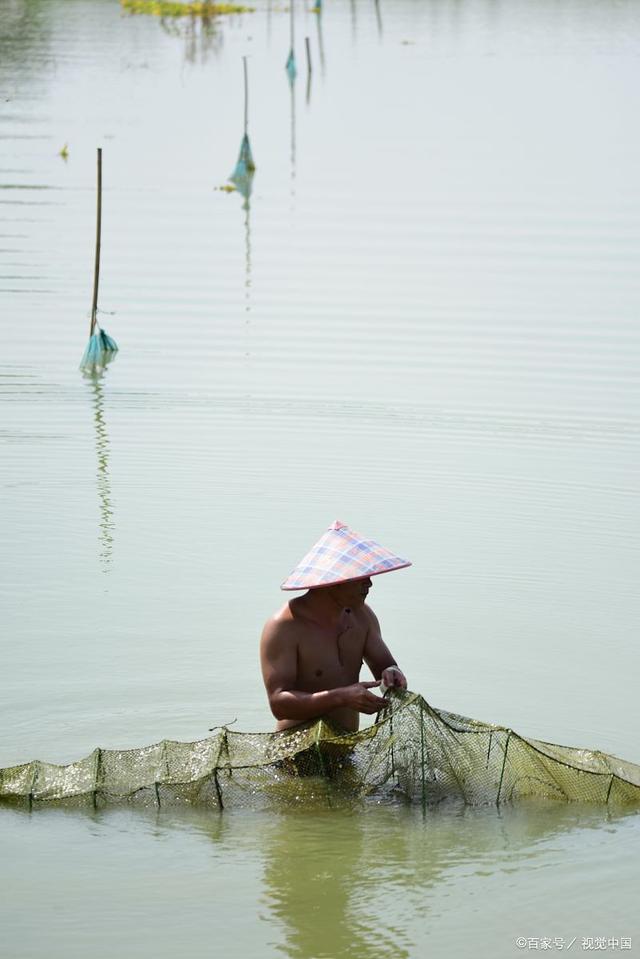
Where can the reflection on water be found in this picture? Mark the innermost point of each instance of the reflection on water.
(242, 179)
(343, 883)
(292, 153)
(317, 874)
(24, 37)
(246, 206)
(309, 69)
(244, 185)
(318, 10)
(106, 525)
(378, 17)
(201, 35)
(369, 884)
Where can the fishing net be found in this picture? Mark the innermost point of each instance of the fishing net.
(413, 753)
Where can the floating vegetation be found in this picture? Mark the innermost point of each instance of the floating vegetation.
(169, 8)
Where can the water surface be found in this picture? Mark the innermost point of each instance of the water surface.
(425, 324)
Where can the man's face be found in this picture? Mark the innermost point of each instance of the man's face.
(353, 593)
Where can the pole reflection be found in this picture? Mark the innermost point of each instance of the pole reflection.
(106, 526)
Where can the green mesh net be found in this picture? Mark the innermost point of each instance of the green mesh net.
(413, 753)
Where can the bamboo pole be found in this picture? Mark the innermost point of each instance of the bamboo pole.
(308, 47)
(96, 272)
(423, 760)
(246, 97)
(504, 763)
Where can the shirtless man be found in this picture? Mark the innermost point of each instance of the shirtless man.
(312, 649)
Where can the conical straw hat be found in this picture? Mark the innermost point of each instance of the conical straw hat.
(340, 555)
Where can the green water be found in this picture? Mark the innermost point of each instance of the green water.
(386, 883)
(425, 324)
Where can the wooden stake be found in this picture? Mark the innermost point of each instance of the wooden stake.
(96, 272)
(306, 43)
(246, 96)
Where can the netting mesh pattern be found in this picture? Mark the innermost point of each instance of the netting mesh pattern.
(413, 753)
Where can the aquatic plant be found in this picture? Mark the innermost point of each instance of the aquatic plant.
(169, 8)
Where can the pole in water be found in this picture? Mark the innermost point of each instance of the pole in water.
(101, 349)
(96, 272)
(308, 48)
(306, 42)
(291, 59)
(246, 96)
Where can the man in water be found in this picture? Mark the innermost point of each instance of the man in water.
(313, 648)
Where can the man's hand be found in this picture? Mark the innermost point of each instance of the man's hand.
(393, 678)
(358, 697)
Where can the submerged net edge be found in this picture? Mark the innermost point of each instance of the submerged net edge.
(414, 753)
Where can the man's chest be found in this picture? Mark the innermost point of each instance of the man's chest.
(323, 657)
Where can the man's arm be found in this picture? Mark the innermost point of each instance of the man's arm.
(279, 661)
(377, 655)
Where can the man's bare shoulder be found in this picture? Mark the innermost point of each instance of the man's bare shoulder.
(366, 616)
(280, 625)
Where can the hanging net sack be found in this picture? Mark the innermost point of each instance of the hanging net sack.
(413, 753)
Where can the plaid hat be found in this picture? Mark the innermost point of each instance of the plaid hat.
(341, 555)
